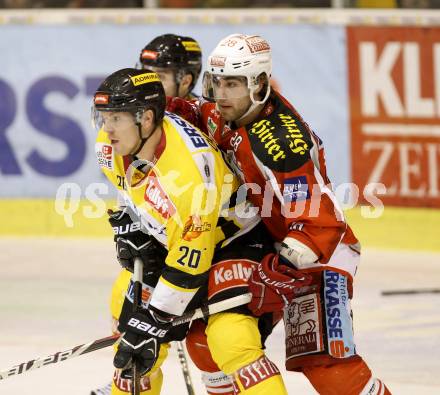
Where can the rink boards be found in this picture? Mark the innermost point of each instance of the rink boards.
(395, 228)
(367, 82)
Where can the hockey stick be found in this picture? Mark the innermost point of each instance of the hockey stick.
(137, 300)
(95, 345)
(410, 291)
(185, 369)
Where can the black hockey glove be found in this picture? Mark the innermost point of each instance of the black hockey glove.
(132, 242)
(145, 332)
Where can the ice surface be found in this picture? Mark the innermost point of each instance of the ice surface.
(54, 295)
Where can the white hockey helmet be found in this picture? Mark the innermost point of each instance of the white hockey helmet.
(239, 55)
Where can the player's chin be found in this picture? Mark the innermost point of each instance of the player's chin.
(119, 148)
(227, 112)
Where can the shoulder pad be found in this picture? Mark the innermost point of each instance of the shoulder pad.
(281, 140)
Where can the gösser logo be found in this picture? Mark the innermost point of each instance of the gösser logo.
(218, 61)
(257, 44)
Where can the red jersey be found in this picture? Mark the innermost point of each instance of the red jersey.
(281, 161)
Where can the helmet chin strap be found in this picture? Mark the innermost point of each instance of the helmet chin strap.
(178, 75)
(143, 140)
(255, 103)
(251, 108)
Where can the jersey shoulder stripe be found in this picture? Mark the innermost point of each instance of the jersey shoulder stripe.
(192, 136)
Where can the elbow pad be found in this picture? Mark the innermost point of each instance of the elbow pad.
(298, 254)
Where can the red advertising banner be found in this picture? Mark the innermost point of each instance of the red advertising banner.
(394, 84)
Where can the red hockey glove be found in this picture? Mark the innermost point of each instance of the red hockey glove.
(188, 110)
(274, 285)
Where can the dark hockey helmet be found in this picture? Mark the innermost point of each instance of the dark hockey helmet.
(170, 51)
(131, 90)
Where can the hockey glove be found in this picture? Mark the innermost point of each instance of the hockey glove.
(188, 110)
(140, 343)
(273, 285)
(132, 242)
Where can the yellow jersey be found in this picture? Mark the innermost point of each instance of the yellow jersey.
(188, 199)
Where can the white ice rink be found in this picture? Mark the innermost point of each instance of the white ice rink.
(54, 295)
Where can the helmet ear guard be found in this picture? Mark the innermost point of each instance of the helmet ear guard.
(266, 87)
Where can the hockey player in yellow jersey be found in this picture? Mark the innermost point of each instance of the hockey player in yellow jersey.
(175, 181)
(178, 62)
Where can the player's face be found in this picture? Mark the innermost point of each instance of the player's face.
(232, 97)
(168, 80)
(121, 130)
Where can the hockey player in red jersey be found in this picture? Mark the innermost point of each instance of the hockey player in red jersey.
(281, 162)
(177, 61)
